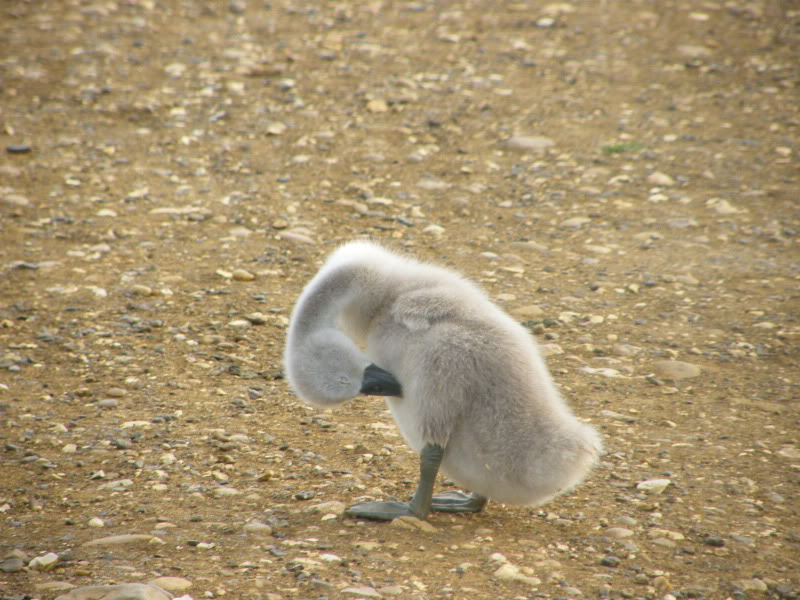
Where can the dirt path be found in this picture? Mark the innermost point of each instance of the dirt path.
(622, 176)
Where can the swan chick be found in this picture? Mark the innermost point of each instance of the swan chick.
(465, 383)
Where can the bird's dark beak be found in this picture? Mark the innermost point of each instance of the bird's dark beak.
(378, 382)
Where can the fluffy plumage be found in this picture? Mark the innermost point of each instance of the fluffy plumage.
(473, 379)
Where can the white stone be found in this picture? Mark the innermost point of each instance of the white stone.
(276, 128)
(603, 372)
(44, 562)
(295, 236)
(242, 275)
(509, 572)
(433, 184)
(258, 528)
(536, 143)
(435, 230)
(653, 486)
(330, 558)
(575, 222)
(659, 178)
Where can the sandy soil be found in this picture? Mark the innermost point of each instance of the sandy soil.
(621, 176)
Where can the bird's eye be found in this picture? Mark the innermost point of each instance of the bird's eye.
(344, 380)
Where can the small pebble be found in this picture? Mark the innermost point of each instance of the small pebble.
(432, 184)
(414, 523)
(666, 533)
(257, 528)
(171, 584)
(714, 541)
(575, 222)
(509, 572)
(242, 275)
(330, 558)
(256, 318)
(377, 106)
(618, 532)
(96, 522)
(662, 584)
(276, 128)
(333, 507)
(12, 565)
(18, 148)
(653, 486)
(675, 369)
(535, 143)
(658, 178)
(435, 230)
(681, 222)
(141, 290)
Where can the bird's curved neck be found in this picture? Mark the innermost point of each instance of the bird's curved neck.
(339, 295)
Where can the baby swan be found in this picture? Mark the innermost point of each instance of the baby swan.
(464, 381)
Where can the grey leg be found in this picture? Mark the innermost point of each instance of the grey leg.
(420, 505)
(458, 502)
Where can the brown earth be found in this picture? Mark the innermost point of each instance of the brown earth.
(172, 144)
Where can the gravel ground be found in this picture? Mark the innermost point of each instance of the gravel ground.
(620, 176)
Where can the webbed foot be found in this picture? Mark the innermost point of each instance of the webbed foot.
(458, 502)
(381, 511)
